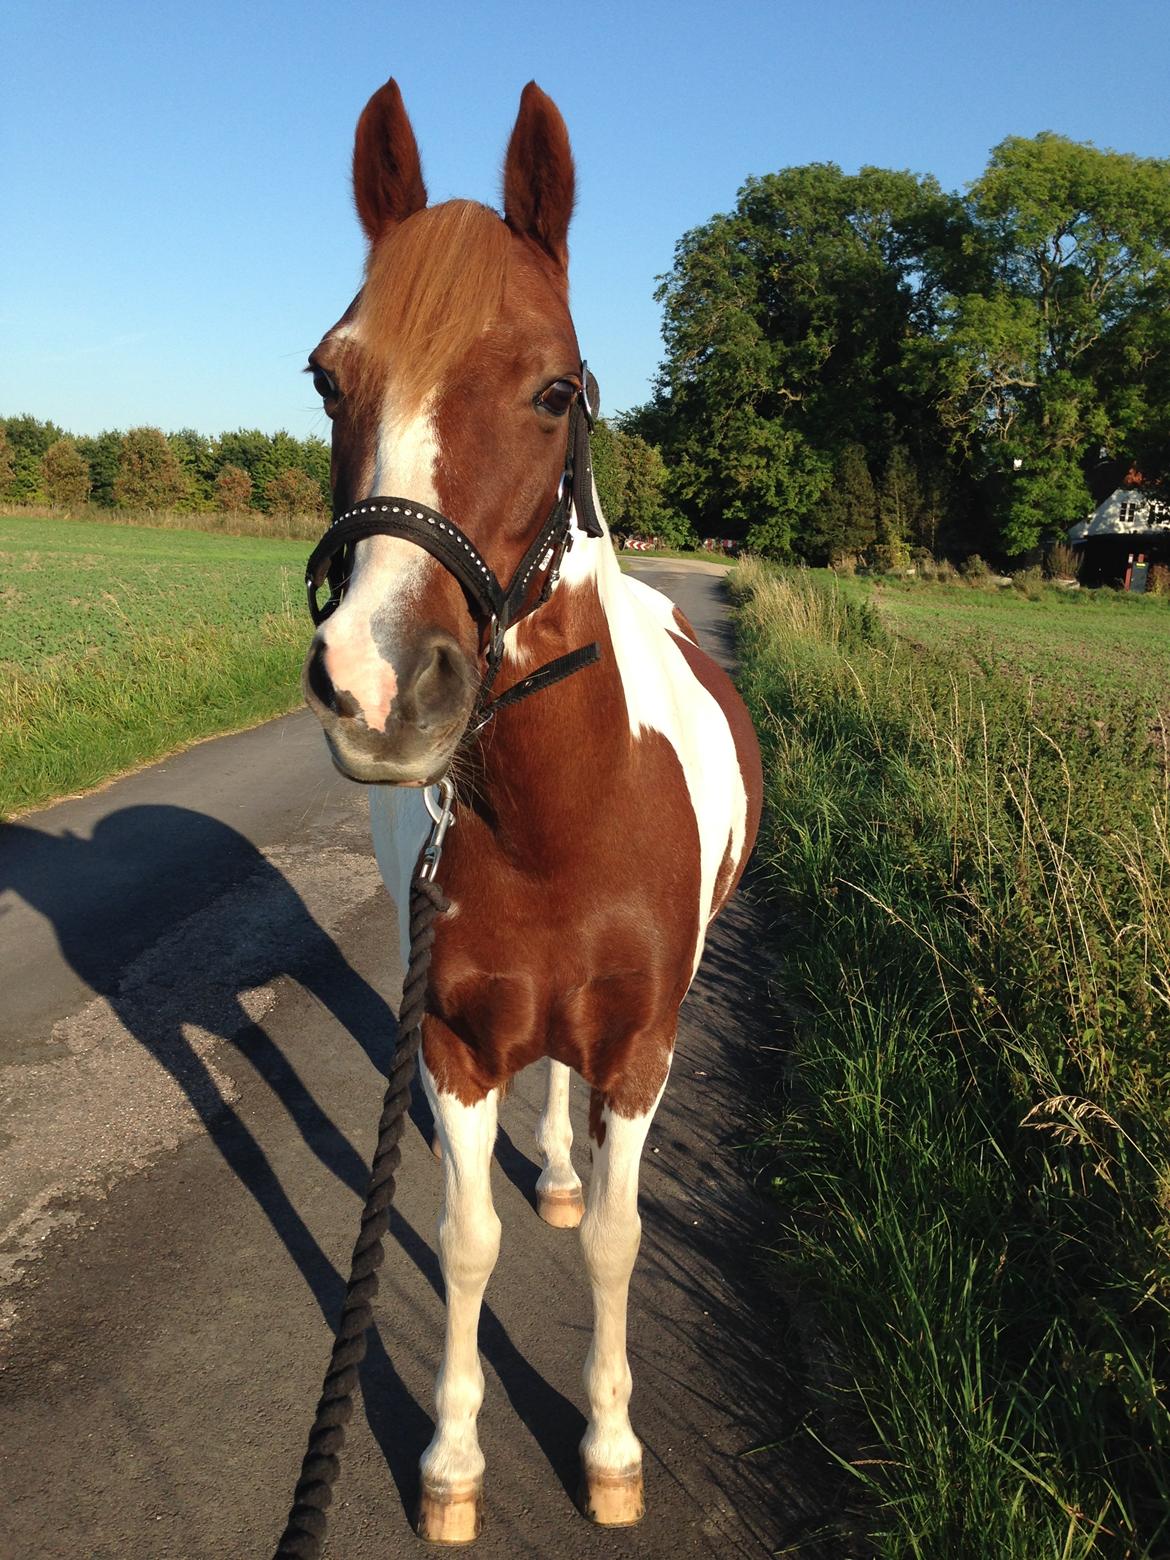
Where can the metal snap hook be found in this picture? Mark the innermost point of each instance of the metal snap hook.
(440, 804)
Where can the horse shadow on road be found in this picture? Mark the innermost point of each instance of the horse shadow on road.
(124, 904)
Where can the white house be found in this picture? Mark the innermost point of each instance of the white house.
(1131, 526)
(1126, 512)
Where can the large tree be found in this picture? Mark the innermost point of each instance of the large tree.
(844, 524)
(785, 324)
(28, 439)
(292, 492)
(1066, 351)
(101, 454)
(1000, 340)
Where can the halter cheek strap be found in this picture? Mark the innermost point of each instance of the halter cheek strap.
(500, 607)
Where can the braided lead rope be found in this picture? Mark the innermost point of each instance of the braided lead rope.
(305, 1530)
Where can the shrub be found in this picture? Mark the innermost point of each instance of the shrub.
(149, 474)
(65, 475)
(1063, 562)
(233, 490)
(1029, 582)
(293, 492)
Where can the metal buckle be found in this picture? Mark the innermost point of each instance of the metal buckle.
(496, 633)
(565, 492)
(440, 803)
(557, 559)
(590, 411)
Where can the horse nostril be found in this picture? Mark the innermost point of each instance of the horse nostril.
(322, 688)
(318, 679)
(439, 687)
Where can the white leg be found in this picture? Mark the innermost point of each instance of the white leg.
(611, 1455)
(469, 1243)
(558, 1191)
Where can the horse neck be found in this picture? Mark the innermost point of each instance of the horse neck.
(538, 756)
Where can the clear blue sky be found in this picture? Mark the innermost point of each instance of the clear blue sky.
(177, 217)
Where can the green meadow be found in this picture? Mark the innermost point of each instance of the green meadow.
(1069, 645)
(120, 644)
(967, 858)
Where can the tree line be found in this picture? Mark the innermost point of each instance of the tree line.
(864, 364)
(145, 469)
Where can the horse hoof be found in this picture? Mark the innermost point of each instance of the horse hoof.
(437, 1147)
(563, 1210)
(449, 1514)
(612, 1499)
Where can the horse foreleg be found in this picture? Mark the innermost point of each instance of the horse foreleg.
(611, 1455)
(558, 1190)
(469, 1243)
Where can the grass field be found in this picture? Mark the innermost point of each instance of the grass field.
(968, 846)
(1065, 643)
(120, 644)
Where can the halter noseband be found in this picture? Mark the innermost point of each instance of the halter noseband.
(500, 607)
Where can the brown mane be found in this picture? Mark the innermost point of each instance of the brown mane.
(433, 284)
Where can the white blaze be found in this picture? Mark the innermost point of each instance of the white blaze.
(388, 572)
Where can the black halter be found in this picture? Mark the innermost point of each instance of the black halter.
(499, 607)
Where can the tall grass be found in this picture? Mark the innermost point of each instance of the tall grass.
(972, 1156)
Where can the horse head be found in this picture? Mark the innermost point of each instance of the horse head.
(449, 381)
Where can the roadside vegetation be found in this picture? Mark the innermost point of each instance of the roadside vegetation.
(968, 847)
(120, 645)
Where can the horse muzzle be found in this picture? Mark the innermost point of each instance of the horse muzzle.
(393, 721)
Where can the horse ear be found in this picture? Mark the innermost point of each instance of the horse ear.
(387, 176)
(538, 175)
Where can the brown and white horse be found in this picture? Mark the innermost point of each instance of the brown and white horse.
(601, 824)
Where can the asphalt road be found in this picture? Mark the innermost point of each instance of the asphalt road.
(196, 966)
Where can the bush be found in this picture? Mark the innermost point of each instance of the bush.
(1063, 562)
(149, 475)
(293, 492)
(1029, 582)
(65, 475)
(233, 490)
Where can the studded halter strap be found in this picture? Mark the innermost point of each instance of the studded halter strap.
(498, 607)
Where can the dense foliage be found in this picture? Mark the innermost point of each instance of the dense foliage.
(146, 469)
(978, 355)
(631, 483)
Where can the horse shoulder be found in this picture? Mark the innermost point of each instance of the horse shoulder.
(674, 687)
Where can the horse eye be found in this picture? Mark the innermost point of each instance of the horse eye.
(323, 384)
(558, 397)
